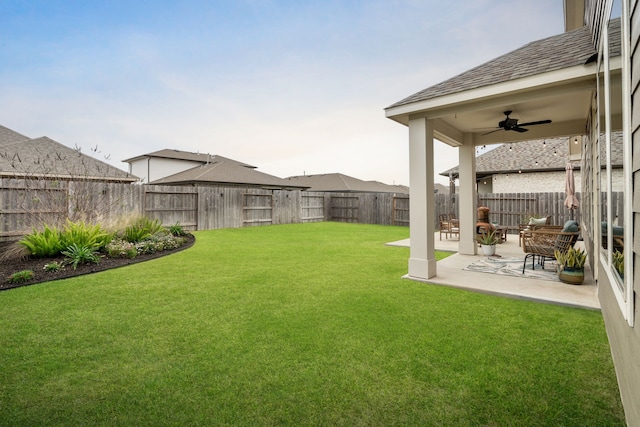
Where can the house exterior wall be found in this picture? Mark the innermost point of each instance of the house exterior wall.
(140, 168)
(151, 168)
(545, 182)
(624, 338)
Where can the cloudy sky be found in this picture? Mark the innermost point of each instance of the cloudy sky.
(292, 87)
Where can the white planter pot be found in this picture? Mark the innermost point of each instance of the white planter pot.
(488, 250)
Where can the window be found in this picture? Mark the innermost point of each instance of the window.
(612, 156)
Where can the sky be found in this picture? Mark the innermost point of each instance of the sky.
(291, 87)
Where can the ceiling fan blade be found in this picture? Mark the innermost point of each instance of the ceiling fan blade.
(519, 129)
(491, 132)
(541, 122)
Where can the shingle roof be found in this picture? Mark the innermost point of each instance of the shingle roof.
(532, 156)
(550, 54)
(337, 182)
(221, 170)
(167, 153)
(22, 156)
(8, 136)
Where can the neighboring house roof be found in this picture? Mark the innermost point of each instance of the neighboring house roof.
(532, 156)
(550, 54)
(223, 171)
(337, 182)
(21, 156)
(443, 189)
(167, 153)
(8, 136)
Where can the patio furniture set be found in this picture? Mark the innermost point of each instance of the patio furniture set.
(538, 238)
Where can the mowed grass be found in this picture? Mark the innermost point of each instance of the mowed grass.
(304, 324)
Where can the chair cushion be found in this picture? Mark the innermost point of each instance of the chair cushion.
(617, 231)
(537, 221)
(570, 226)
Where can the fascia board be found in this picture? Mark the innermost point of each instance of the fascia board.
(554, 79)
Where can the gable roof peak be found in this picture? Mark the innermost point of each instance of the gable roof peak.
(565, 50)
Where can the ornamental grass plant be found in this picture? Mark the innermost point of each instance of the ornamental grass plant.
(303, 324)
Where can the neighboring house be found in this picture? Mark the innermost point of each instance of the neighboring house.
(24, 157)
(173, 167)
(578, 84)
(337, 182)
(537, 166)
(439, 189)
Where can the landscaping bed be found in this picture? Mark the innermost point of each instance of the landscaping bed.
(36, 264)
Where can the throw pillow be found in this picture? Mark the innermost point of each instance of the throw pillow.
(537, 221)
(570, 226)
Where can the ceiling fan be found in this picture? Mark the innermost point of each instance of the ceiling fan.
(512, 124)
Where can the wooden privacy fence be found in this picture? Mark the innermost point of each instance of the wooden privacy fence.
(25, 204)
(28, 204)
(512, 209)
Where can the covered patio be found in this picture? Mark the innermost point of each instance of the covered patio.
(548, 84)
(451, 272)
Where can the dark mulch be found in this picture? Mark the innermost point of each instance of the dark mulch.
(7, 268)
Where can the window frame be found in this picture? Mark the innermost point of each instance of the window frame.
(622, 287)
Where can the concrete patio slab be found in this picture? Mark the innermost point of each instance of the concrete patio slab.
(450, 272)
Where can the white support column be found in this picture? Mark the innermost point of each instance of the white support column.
(422, 261)
(468, 200)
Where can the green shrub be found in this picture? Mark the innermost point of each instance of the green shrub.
(77, 255)
(43, 243)
(177, 230)
(142, 229)
(52, 267)
(82, 234)
(20, 276)
(119, 248)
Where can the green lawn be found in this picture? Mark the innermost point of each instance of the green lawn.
(304, 324)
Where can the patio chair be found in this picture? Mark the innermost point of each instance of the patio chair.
(543, 242)
(449, 226)
(533, 224)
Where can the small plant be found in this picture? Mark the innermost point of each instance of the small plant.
(488, 238)
(119, 248)
(80, 255)
(141, 229)
(52, 267)
(20, 277)
(13, 252)
(572, 258)
(177, 230)
(618, 262)
(43, 243)
(83, 234)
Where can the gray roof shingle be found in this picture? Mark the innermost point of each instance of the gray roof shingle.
(337, 182)
(8, 136)
(22, 156)
(550, 54)
(167, 153)
(223, 171)
(532, 156)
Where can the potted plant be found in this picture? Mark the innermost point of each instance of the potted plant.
(488, 241)
(571, 265)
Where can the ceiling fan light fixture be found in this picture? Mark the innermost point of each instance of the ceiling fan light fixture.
(512, 124)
